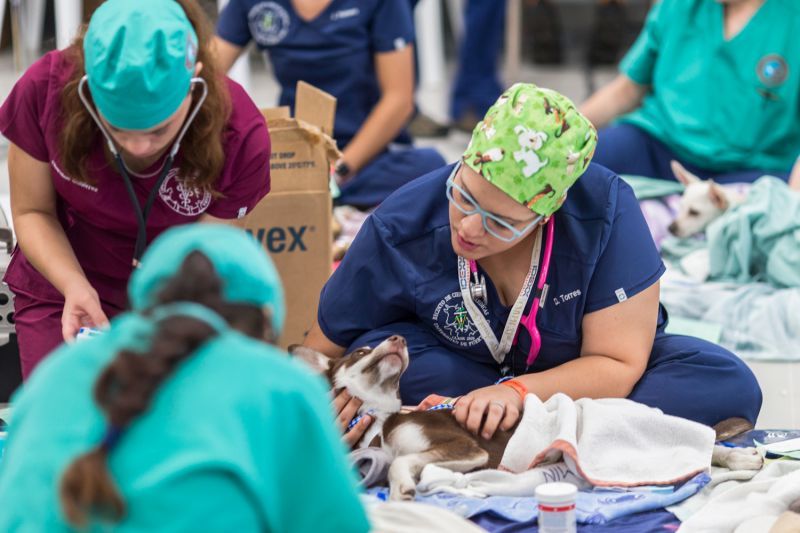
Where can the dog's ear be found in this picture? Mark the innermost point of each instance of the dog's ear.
(317, 361)
(683, 175)
(717, 195)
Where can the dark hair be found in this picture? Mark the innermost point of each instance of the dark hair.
(202, 156)
(126, 387)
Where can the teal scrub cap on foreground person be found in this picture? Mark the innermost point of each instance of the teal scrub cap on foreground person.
(247, 273)
(140, 57)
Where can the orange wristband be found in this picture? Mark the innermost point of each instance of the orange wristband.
(518, 386)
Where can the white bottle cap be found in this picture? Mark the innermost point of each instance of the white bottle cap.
(554, 493)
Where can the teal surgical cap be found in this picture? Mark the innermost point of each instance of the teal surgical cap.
(140, 57)
(247, 273)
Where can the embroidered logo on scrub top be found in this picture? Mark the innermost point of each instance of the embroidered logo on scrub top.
(772, 70)
(269, 23)
(451, 320)
(184, 200)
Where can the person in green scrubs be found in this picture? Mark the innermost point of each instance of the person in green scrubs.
(182, 416)
(714, 84)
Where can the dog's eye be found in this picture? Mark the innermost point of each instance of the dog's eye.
(694, 213)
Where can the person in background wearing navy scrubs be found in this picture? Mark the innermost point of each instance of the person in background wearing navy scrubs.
(507, 265)
(477, 81)
(361, 52)
(477, 84)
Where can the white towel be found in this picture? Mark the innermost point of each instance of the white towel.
(414, 517)
(719, 476)
(746, 506)
(609, 442)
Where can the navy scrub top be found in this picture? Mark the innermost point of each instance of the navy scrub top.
(334, 51)
(402, 268)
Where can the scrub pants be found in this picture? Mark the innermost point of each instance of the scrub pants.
(627, 149)
(477, 84)
(38, 325)
(388, 172)
(686, 377)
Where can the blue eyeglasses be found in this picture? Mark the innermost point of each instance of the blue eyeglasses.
(494, 225)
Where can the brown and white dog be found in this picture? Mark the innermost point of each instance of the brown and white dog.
(415, 438)
(418, 438)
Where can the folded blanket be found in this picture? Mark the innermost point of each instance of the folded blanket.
(609, 442)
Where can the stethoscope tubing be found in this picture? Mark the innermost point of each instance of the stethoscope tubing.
(143, 213)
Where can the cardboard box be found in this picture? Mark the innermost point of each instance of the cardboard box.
(293, 222)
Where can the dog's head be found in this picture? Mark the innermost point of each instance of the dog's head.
(370, 374)
(701, 203)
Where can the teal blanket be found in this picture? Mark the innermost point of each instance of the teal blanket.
(759, 240)
(646, 188)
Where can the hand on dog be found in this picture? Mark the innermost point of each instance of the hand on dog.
(346, 407)
(488, 409)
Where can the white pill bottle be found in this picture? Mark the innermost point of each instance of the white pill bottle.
(556, 507)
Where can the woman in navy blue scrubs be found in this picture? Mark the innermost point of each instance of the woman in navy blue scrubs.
(581, 268)
(361, 52)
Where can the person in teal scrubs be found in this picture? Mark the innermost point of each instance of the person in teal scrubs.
(712, 84)
(182, 416)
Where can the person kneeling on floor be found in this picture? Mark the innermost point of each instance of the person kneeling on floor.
(526, 262)
(183, 416)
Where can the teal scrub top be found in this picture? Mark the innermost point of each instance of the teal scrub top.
(721, 105)
(239, 438)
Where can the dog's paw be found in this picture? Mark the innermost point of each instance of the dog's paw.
(738, 458)
(745, 459)
(403, 493)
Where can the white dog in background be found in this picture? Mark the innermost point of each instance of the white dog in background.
(702, 202)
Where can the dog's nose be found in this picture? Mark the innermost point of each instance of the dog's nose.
(398, 339)
(673, 228)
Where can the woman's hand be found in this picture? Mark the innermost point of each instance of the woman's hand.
(346, 407)
(81, 308)
(488, 409)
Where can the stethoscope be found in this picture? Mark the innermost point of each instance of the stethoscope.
(478, 291)
(142, 214)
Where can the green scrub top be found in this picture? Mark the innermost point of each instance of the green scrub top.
(239, 438)
(721, 105)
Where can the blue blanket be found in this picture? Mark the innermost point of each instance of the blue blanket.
(597, 506)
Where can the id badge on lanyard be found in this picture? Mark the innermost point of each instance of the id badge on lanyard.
(500, 348)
